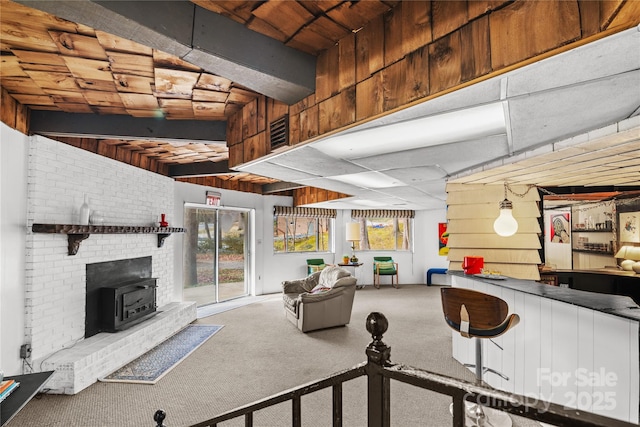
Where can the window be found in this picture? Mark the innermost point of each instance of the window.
(384, 230)
(302, 229)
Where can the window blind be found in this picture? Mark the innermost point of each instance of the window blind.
(307, 212)
(382, 213)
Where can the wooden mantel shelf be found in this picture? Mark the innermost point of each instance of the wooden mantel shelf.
(77, 233)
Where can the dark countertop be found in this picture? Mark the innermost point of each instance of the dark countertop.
(607, 271)
(616, 305)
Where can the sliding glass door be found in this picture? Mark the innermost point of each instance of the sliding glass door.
(216, 255)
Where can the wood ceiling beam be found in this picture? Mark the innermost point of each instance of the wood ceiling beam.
(203, 38)
(200, 169)
(55, 123)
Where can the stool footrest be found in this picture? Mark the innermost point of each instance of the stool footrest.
(485, 370)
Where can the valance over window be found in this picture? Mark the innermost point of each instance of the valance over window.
(382, 213)
(307, 212)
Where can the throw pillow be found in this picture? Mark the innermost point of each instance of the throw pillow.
(386, 265)
(318, 289)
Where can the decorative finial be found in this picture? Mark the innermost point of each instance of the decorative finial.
(377, 351)
(377, 324)
(159, 417)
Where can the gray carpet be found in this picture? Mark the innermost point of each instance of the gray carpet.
(259, 353)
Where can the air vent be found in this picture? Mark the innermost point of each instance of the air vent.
(279, 132)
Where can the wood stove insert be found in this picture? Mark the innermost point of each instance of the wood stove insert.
(120, 294)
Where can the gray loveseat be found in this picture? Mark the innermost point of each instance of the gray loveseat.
(322, 300)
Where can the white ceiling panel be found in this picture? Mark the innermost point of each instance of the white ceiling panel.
(436, 190)
(272, 170)
(549, 116)
(417, 174)
(486, 92)
(451, 157)
(476, 122)
(315, 162)
(616, 54)
(553, 104)
(406, 193)
(333, 185)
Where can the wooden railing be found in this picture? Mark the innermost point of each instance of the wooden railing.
(380, 371)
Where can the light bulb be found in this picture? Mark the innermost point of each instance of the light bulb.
(505, 225)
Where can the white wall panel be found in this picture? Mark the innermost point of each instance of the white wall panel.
(564, 353)
(564, 336)
(547, 350)
(613, 366)
(585, 354)
(530, 331)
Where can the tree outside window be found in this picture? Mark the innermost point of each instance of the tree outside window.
(384, 233)
(301, 234)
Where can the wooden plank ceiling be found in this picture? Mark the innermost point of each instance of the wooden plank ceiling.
(48, 63)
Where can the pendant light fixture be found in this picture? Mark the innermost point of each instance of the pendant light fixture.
(505, 225)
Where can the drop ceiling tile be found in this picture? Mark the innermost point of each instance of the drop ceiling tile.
(276, 171)
(447, 156)
(597, 60)
(485, 92)
(553, 115)
(417, 174)
(333, 185)
(313, 161)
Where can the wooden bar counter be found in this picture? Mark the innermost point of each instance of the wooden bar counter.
(572, 347)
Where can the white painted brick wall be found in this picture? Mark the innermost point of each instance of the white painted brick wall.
(58, 177)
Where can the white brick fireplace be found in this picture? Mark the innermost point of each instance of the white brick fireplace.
(58, 177)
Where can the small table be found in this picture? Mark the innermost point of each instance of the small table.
(30, 385)
(355, 271)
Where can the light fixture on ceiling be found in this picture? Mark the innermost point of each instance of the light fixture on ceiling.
(369, 179)
(353, 236)
(370, 203)
(455, 126)
(630, 256)
(505, 225)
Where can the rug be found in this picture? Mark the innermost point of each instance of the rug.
(154, 364)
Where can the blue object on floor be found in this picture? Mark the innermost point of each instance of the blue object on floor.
(151, 366)
(433, 271)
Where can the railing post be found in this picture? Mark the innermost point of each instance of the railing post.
(378, 353)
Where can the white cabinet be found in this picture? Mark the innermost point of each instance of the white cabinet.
(561, 352)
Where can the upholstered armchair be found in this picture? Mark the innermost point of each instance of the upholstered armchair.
(321, 300)
(384, 266)
(315, 264)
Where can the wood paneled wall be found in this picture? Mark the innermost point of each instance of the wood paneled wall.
(424, 49)
(114, 152)
(306, 195)
(12, 113)
(231, 184)
(471, 211)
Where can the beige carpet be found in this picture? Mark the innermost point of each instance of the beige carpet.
(259, 353)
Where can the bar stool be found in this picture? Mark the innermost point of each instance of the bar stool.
(481, 316)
